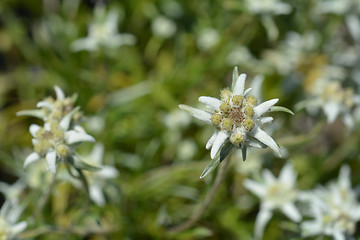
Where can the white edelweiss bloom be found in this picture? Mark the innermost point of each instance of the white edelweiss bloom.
(103, 32)
(97, 179)
(55, 142)
(335, 209)
(334, 100)
(275, 193)
(9, 225)
(237, 118)
(274, 7)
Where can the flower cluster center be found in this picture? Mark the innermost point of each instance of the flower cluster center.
(235, 115)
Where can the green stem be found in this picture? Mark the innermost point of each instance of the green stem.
(197, 214)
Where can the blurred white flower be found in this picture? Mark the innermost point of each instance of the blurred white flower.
(237, 118)
(103, 32)
(274, 7)
(207, 39)
(275, 193)
(177, 119)
(59, 136)
(163, 27)
(293, 51)
(186, 150)
(328, 94)
(9, 225)
(97, 179)
(335, 209)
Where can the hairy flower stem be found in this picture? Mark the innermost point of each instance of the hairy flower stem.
(45, 197)
(210, 196)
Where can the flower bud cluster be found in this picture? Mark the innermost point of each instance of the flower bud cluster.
(235, 115)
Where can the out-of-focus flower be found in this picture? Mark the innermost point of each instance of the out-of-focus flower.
(274, 7)
(59, 136)
(9, 225)
(163, 27)
(103, 32)
(335, 209)
(55, 142)
(326, 93)
(292, 52)
(97, 179)
(237, 118)
(55, 109)
(275, 193)
(207, 39)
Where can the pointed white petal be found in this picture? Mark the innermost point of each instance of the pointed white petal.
(97, 154)
(97, 195)
(31, 158)
(59, 93)
(256, 188)
(239, 86)
(219, 141)
(214, 103)
(247, 91)
(18, 228)
(264, 138)
(256, 84)
(66, 120)
(45, 105)
(261, 221)
(211, 140)
(72, 137)
(197, 113)
(349, 121)
(264, 120)
(331, 110)
(107, 172)
(291, 212)
(33, 129)
(288, 175)
(51, 160)
(310, 228)
(264, 107)
(344, 177)
(339, 235)
(38, 113)
(269, 178)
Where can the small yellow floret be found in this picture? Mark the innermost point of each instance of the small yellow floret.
(248, 124)
(227, 124)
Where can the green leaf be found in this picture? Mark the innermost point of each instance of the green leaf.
(234, 77)
(214, 163)
(280, 109)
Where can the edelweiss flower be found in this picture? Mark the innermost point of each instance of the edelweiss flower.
(9, 227)
(328, 94)
(97, 179)
(237, 118)
(103, 32)
(274, 194)
(55, 141)
(335, 209)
